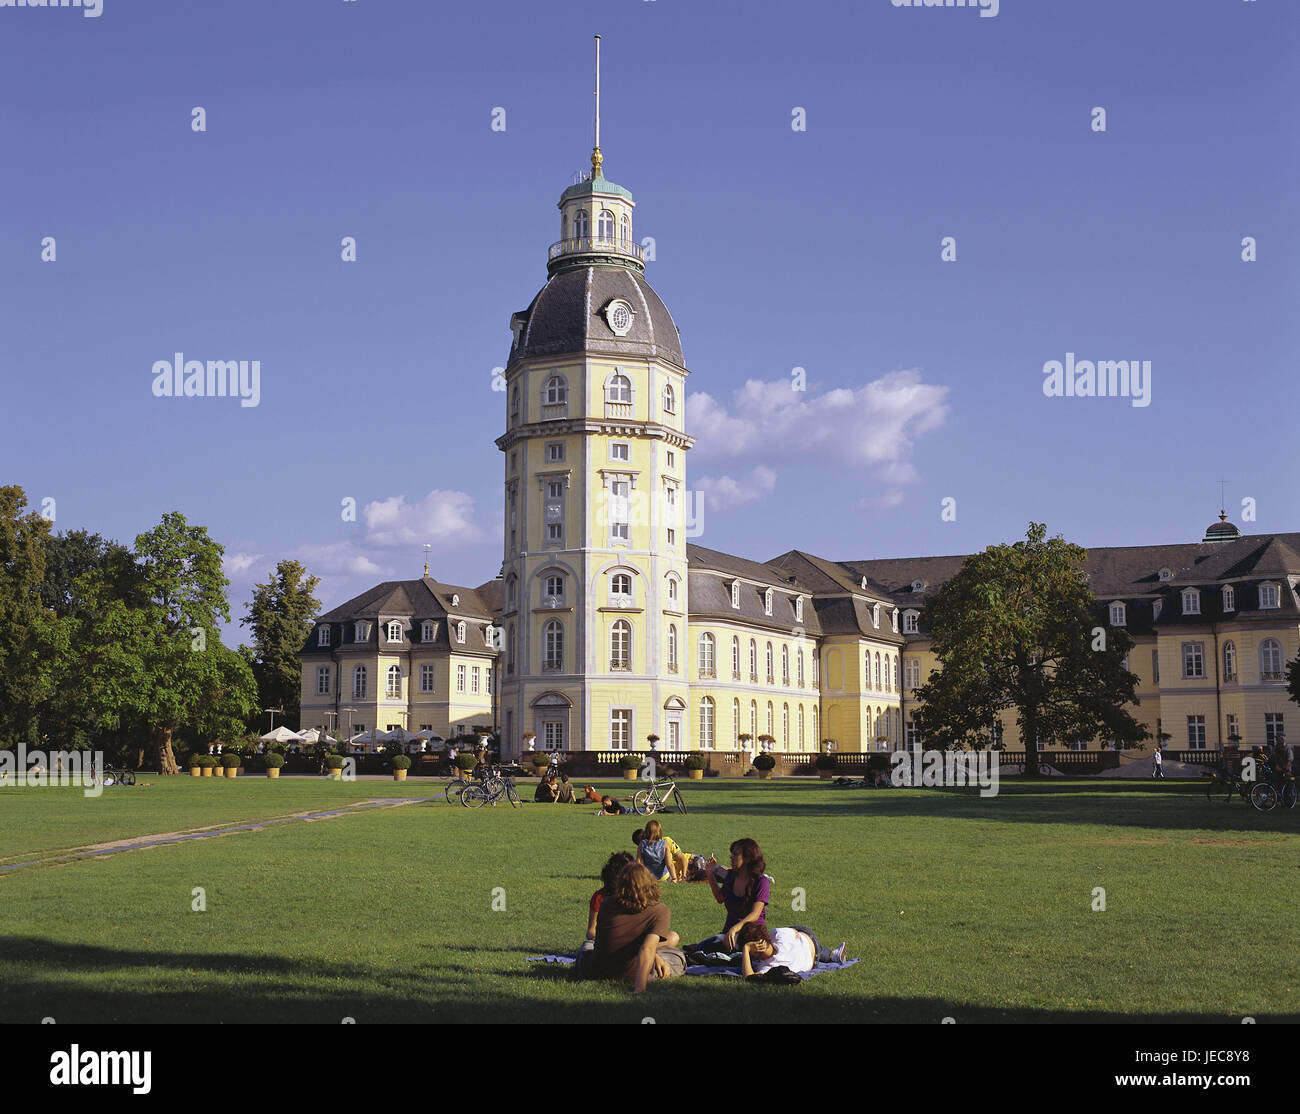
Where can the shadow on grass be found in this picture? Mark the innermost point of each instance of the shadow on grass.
(90, 984)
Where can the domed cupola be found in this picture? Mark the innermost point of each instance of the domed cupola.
(1221, 531)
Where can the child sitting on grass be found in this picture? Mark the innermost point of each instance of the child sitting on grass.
(659, 854)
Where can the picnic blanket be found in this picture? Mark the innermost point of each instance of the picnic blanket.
(702, 969)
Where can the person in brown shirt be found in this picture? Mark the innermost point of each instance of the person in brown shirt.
(634, 942)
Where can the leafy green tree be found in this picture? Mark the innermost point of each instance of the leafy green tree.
(1293, 679)
(31, 640)
(156, 658)
(281, 615)
(1018, 628)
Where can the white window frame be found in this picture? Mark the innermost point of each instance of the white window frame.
(391, 691)
(621, 722)
(1270, 596)
(427, 678)
(1191, 601)
(910, 622)
(461, 675)
(1273, 649)
(1229, 598)
(1118, 615)
(323, 680)
(323, 636)
(1193, 661)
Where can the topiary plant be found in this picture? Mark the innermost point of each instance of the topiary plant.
(274, 761)
(630, 762)
(824, 762)
(764, 762)
(695, 761)
(401, 761)
(231, 761)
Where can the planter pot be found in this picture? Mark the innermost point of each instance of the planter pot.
(825, 774)
(695, 775)
(336, 775)
(209, 771)
(273, 771)
(399, 775)
(629, 775)
(232, 771)
(196, 771)
(766, 775)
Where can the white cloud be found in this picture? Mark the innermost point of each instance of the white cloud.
(440, 515)
(240, 562)
(725, 493)
(874, 426)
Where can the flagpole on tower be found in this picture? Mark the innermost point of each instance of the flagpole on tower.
(596, 158)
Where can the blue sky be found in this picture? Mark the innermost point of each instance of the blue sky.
(775, 249)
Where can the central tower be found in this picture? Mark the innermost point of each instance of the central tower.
(594, 606)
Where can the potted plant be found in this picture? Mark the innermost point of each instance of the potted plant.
(273, 763)
(764, 764)
(629, 764)
(207, 764)
(825, 764)
(401, 763)
(744, 739)
(231, 763)
(540, 763)
(465, 762)
(196, 765)
(652, 739)
(695, 764)
(334, 763)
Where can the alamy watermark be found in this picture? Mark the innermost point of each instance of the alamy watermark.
(91, 9)
(182, 378)
(944, 768)
(36, 768)
(988, 8)
(1129, 379)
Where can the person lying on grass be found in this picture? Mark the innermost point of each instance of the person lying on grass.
(610, 807)
(796, 948)
(634, 940)
(659, 854)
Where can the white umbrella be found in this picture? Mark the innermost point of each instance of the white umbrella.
(313, 736)
(281, 735)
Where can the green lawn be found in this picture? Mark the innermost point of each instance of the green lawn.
(978, 909)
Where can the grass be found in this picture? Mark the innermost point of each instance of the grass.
(979, 909)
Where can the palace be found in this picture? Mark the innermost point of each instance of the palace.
(606, 626)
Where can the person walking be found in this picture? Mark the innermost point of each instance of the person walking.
(1157, 766)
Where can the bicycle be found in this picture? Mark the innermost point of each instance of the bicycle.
(494, 787)
(646, 802)
(455, 788)
(1230, 783)
(118, 775)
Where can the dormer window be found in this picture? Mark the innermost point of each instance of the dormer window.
(426, 630)
(488, 632)
(360, 632)
(1156, 608)
(893, 620)
(323, 636)
(460, 631)
(798, 609)
(1165, 575)
(910, 622)
(1268, 596)
(394, 631)
(767, 602)
(455, 602)
(1118, 615)
(1229, 599)
(1191, 601)
(735, 594)
(875, 612)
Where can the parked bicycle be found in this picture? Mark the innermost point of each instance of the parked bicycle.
(657, 798)
(494, 787)
(1226, 781)
(118, 775)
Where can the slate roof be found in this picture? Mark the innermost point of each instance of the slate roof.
(709, 576)
(412, 601)
(566, 317)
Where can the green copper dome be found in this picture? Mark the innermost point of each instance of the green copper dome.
(595, 185)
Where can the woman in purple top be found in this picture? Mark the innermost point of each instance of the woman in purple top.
(745, 891)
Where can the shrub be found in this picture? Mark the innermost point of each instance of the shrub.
(541, 760)
(695, 761)
(231, 761)
(334, 761)
(206, 761)
(274, 761)
(466, 762)
(764, 762)
(401, 761)
(630, 762)
(824, 762)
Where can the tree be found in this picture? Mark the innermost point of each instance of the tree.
(1018, 627)
(30, 638)
(156, 657)
(1293, 679)
(281, 616)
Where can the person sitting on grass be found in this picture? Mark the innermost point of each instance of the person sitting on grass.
(744, 889)
(589, 794)
(634, 940)
(796, 948)
(659, 854)
(546, 791)
(564, 792)
(608, 875)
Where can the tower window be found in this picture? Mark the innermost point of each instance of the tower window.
(621, 585)
(556, 392)
(618, 389)
(670, 399)
(581, 224)
(605, 225)
(626, 224)
(555, 452)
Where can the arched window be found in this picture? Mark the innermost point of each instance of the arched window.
(785, 665)
(394, 632)
(670, 399)
(898, 673)
(1229, 662)
(814, 672)
(618, 389)
(510, 648)
(514, 402)
(707, 668)
(1270, 660)
(735, 659)
(1229, 598)
(800, 721)
(394, 688)
(581, 224)
(359, 682)
(785, 726)
(753, 718)
(706, 723)
(735, 721)
(769, 718)
(605, 225)
(800, 668)
(556, 392)
(889, 673)
(460, 631)
(620, 584)
(553, 646)
(626, 226)
(620, 645)
(672, 648)
(771, 663)
(767, 602)
(753, 660)
(815, 733)
(672, 589)
(877, 670)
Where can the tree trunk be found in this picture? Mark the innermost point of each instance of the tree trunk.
(1031, 746)
(162, 744)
